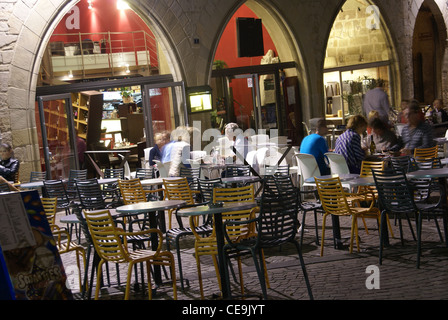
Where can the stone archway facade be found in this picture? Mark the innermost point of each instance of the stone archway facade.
(24, 26)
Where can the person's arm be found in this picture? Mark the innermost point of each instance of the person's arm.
(5, 171)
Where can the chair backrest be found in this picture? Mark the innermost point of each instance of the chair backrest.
(393, 190)
(50, 208)
(307, 166)
(56, 189)
(37, 176)
(206, 187)
(278, 222)
(131, 191)
(427, 163)
(90, 194)
(104, 236)
(367, 166)
(235, 170)
(75, 175)
(178, 189)
(114, 173)
(337, 163)
(145, 173)
(402, 163)
(239, 194)
(427, 153)
(163, 168)
(145, 160)
(192, 175)
(272, 170)
(332, 196)
(4, 187)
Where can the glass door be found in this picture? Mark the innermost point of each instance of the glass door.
(164, 106)
(56, 135)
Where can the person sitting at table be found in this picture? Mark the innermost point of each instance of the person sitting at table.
(417, 133)
(167, 146)
(316, 145)
(349, 143)
(9, 166)
(155, 153)
(402, 116)
(383, 137)
(439, 114)
(181, 149)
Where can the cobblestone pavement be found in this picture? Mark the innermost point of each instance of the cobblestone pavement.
(337, 275)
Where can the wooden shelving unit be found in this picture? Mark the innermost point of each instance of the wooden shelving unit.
(87, 114)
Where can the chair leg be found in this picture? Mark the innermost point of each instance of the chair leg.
(98, 279)
(316, 228)
(305, 273)
(128, 281)
(419, 239)
(302, 226)
(198, 266)
(268, 284)
(240, 271)
(260, 272)
(324, 220)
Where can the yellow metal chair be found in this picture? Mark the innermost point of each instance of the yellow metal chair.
(132, 191)
(426, 153)
(111, 245)
(62, 237)
(334, 202)
(178, 189)
(207, 246)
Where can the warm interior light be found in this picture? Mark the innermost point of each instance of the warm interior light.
(70, 74)
(122, 5)
(90, 4)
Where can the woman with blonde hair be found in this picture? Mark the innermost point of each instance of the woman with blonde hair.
(349, 143)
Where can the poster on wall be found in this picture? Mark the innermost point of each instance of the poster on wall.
(30, 253)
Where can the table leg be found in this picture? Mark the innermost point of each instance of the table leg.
(154, 245)
(225, 285)
(336, 232)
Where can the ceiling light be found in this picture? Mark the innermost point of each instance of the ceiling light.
(122, 5)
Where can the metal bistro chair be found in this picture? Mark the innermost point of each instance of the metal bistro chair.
(208, 245)
(334, 202)
(173, 235)
(111, 190)
(276, 225)
(428, 153)
(110, 244)
(396, 197)
(62, 237)
(75, 175)
(193, 175)
(37, 176)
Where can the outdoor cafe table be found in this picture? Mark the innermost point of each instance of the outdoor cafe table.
(217, 213)
(439, 173)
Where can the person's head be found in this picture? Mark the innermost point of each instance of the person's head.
(438, 104)
(5, 151)
(415, 113)
(404, 105)
(159, 139)
(166, 136)
(378, 126)
(357, 123)
(321, 127)
(231, 130)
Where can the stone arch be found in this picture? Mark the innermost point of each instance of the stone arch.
(374, 13)
(435, 17)
(285, 42)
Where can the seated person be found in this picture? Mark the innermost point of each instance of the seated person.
(9, 166)
(402, 116)
(349, 143)
(155, 153)
(180, 151)
(384, 138)
(167, 146)
(439, 114)
(316, 145)
(417, 133)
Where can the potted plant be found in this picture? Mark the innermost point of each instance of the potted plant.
(126, 94)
